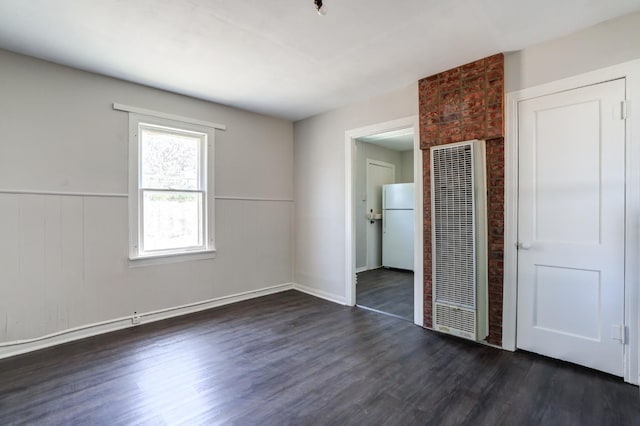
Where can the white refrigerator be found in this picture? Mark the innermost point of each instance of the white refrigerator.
(397, 226)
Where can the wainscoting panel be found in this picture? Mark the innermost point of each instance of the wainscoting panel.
(64, 262)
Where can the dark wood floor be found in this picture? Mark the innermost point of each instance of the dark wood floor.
(386, 290)
(294, 359)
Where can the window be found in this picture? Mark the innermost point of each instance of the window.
(170, 202)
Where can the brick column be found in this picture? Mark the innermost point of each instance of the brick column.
(461, 104)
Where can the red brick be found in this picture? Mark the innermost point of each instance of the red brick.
(456, 116)
(495, 60)
(468, 121)
(449, 80)
(494, 128)
(451, 138)
(428, 103)
(474, 84)
(449, 86)
(428, 83)
(429, 117)
(494, 82)
(429, 131)
(494, 95)
(447, 129)
(450, 75)
(474, 109)
(474, 131)
(425, 143)
(450, 100)
(429, 99)
(473, 100)
(472, 69)
(495, 74)
(494, 113)
(471, 97)
(495, 64)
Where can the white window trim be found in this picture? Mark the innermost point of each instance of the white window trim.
(208, 251)
(173, 117)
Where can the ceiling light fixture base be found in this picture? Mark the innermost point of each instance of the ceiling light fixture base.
(320, 8)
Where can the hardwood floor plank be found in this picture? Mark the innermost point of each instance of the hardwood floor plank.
(293, 359)
(386, 290)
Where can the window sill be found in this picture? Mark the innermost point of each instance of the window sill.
(159, 259)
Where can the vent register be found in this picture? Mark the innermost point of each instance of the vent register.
(459, 238)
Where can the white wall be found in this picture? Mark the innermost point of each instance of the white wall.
(407, 167)
(63, 258)
(609, 43)
(366, 151)
(319, 158)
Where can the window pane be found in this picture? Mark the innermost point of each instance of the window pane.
(172, 220)
(169, 161)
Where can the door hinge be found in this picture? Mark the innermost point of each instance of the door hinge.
(620, 333)
(623, 110)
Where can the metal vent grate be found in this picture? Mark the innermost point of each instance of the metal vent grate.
(453, 225)
(456, 318)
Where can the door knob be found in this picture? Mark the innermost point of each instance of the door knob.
(524, 246)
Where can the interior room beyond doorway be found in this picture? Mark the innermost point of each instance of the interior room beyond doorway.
(384, 222)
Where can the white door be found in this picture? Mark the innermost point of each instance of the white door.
(571, 228)
(378, 174)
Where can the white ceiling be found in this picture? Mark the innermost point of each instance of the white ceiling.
(279, 57)
(395, 140)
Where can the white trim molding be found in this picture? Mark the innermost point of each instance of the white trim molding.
(160, 259)
(8, 349)
(63, 193)
(630, 71)
(167, 116)
(350, 246)
(232, 198)
(320, 294)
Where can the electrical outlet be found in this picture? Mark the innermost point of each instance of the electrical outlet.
(135, 319)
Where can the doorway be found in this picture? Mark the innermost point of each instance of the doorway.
(352, 210)
(384, 172)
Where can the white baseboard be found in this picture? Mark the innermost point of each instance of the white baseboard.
(9, 349)
(321, 294)
(361, 269)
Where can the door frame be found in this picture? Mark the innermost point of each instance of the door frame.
(369, 161)
(350, 238)
(630, 71)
